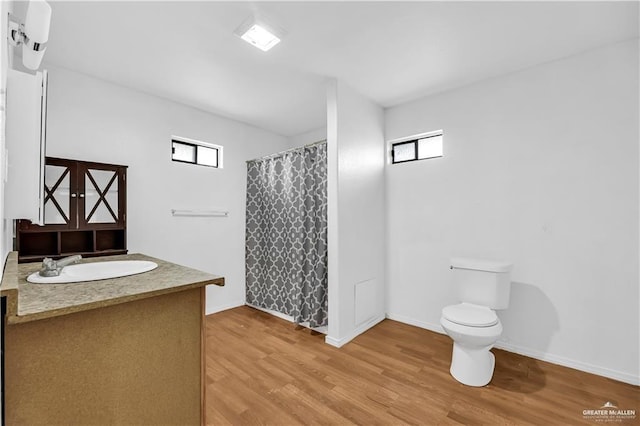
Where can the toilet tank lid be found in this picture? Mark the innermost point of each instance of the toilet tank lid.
(481, 264)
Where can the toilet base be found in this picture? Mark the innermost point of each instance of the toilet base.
(472, 366)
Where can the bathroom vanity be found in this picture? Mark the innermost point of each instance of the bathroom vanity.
(125, 350)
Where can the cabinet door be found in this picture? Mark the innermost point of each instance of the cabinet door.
(60, 194)
(25, 144)
(102, 195)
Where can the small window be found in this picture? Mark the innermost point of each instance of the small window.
(191, 151)
(420, 148)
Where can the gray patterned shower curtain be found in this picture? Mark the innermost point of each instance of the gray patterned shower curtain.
(286, 234)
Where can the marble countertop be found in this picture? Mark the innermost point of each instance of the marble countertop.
(30, 302)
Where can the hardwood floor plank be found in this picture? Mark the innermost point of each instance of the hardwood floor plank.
(312, 410)
(309, 375)
(215, 417)
(229, 406)
(262, 370)
(365, 406)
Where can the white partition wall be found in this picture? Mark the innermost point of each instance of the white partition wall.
(355, 138)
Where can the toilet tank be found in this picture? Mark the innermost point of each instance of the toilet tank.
(482, 282)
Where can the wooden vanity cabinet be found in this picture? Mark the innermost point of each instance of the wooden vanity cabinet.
(84, 212)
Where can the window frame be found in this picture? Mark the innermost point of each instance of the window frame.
(195, 144)
(415, 139)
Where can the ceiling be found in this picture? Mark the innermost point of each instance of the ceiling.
(392, 52)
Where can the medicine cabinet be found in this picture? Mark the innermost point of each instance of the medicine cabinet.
(84, 212)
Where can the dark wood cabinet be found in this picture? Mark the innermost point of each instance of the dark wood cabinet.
(84, 212)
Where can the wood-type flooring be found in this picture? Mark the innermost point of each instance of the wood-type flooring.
(265, 370)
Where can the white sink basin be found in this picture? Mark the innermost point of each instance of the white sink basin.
(95, 271)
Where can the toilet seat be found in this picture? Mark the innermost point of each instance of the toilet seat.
(470, 315)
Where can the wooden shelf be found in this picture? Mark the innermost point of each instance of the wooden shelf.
(76, 241)
(110, 239)
(90, 254)
(33, 246)
(39, 243)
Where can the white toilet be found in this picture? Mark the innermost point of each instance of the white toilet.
(483, 286)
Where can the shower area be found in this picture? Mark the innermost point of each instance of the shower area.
(286, 235)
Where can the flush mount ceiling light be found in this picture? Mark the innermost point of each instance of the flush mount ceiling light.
(33, 34)
(259, 33)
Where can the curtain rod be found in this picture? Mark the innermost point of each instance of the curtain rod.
(287, 150)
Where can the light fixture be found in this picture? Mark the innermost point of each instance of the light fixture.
(257, 32)
(33, 34)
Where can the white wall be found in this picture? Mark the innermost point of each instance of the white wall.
(90, 119)
(355, 142)
(540, 168)
(315, 135)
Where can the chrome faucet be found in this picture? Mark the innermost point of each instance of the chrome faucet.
(52, 268)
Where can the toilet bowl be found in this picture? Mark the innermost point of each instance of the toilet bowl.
(482, 286)
(474, 330)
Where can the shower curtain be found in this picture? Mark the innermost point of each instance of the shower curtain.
(286, 234)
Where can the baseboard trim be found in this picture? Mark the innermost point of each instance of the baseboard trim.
(220, 308)
(570, 363)
(355, 333)
(533, 353)
(422, 324)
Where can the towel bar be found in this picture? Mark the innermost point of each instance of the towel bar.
(200, 213)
